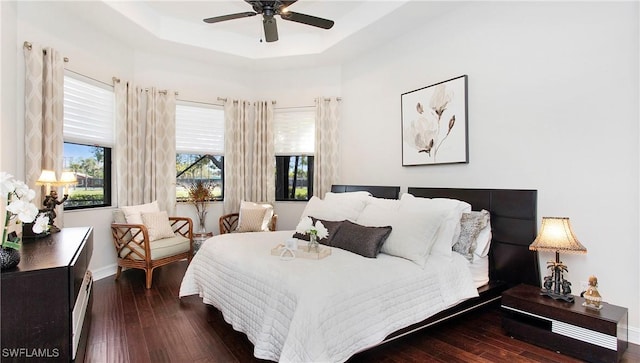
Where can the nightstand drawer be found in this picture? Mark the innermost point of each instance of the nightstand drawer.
(569, 328)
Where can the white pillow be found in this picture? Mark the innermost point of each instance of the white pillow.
(413, 231)
(389, 204)
(158, 225)
(266, 217)
(334, 209)
(450, 226)
(132, 213)
(252, 220)
(359, 195)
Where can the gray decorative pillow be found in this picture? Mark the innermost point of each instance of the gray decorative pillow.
(365, 241)
(471, 223)
(331, 226)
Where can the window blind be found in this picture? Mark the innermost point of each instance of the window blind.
(88, 112)
(199, 129)
(294, 131)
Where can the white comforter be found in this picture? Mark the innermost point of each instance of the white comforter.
(318, 310)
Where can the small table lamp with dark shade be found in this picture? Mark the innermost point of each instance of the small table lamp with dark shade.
(557, 236)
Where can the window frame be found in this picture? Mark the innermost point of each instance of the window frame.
(293, 148)
(202, 153)
(107, 147)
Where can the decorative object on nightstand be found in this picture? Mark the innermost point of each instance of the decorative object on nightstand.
(592, 298)
(48, 179)
(200, 194)
(556, 235)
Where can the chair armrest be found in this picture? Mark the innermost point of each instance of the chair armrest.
(273, 223)
(228, 222)
(126, 234)
(182, 226)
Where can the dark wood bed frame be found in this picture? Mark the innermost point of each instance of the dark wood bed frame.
(513, 228)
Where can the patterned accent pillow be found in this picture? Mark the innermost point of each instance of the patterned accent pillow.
(266, 221)
(252, 220)
(471, 224)
(158, 225)
(365, 241)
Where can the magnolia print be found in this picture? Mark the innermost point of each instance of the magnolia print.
(434, 124)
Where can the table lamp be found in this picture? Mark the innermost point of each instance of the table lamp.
(47, 178)
(557, 236)
(68, 178)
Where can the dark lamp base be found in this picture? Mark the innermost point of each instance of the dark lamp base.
(553, 295)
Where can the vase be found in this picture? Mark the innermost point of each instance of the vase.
(313, 244)
(202, 219)
(9, 258)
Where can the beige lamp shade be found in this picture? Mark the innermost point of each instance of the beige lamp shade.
(68, 178)
(47, 177)
(556, 235)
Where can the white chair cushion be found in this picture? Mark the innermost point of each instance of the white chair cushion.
(161, 248)
(132, 213)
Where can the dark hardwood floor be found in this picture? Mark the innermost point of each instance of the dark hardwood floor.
(132, 324)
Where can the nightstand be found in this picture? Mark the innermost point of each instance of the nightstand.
(198, 238)
(568, 328)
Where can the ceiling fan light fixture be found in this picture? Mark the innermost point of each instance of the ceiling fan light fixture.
(269, 9)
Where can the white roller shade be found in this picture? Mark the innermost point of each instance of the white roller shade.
(294, 131)
(88, 112)
(199, 129)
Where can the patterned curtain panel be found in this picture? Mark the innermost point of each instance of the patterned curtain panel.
(44, 116)
(237, 156)
(263, 173)
(325, 171)
(145, 146)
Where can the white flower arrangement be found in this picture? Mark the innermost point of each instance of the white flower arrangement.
(19, 208)
(306, 227)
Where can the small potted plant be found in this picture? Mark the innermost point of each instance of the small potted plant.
(18, 209)
(200, 194)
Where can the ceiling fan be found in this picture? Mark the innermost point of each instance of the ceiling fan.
(269, 9)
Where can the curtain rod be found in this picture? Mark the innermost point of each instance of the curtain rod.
(28, 45)
(163, 91)
(223, 99)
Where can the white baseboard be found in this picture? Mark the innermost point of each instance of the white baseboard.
(103, 272)
(634, 335)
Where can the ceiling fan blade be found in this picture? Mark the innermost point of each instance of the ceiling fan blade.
(307, 19)
(270, 29)
(217, 19)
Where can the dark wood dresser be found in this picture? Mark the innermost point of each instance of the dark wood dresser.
(46, 300)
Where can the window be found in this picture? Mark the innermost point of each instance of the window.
(294, 131)
(199, 148)
(88, 138)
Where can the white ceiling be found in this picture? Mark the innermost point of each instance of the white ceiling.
(177, 28)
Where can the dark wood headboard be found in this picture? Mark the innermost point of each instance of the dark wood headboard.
(387, 192)
(513, 228)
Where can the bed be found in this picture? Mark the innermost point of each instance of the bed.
(307, 310)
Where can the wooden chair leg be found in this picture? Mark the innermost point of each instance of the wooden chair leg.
(149, 275)
(118, 272)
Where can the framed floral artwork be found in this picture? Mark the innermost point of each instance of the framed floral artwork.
(434, 124)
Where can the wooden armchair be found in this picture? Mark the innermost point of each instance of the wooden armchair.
(229, 222)
(134, 250)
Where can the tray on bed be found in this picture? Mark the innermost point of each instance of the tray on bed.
(302, 252)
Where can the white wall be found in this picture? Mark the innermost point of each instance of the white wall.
(553, 106)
